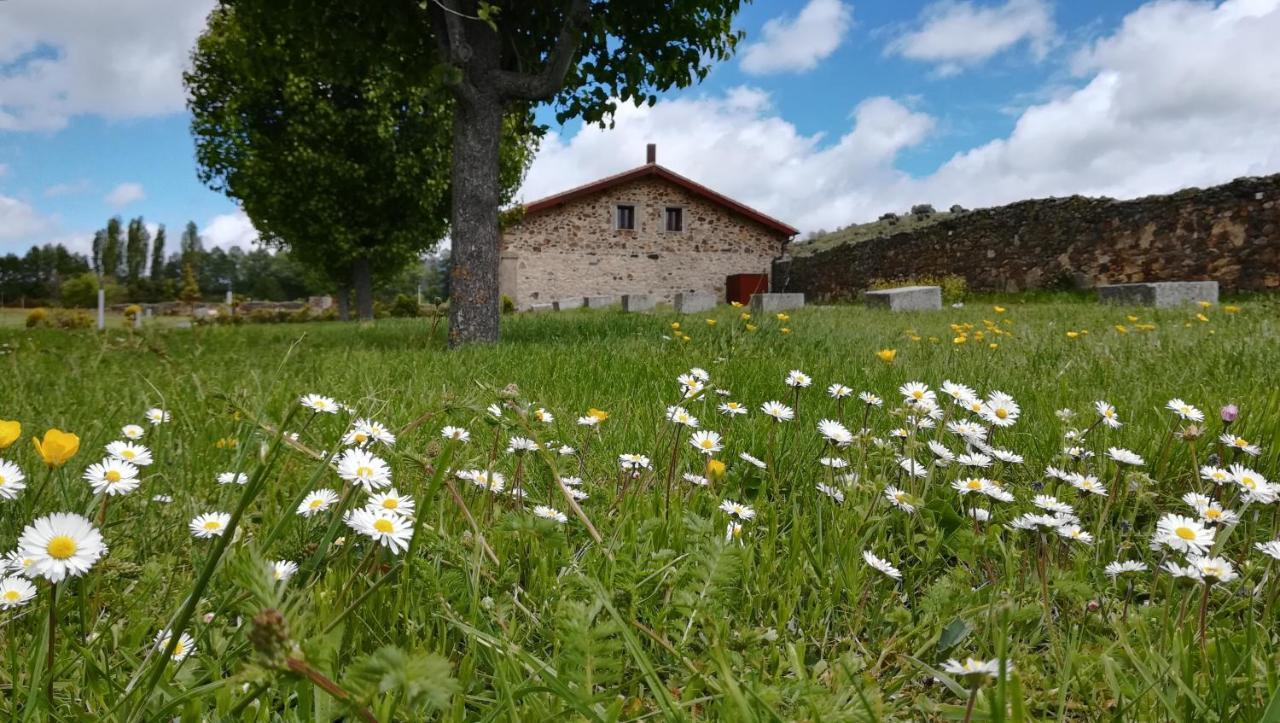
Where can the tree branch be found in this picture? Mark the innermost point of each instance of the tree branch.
(544, 85)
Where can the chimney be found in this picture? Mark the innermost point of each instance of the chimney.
(651, 153)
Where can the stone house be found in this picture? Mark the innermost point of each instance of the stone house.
(648, 230)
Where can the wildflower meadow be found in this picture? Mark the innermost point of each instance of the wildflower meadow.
(1014, 510)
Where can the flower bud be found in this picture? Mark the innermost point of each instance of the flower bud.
(1229, 413)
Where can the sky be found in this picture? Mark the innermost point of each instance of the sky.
(831, 112)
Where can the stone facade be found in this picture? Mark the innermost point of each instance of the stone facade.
(575, 249)
(1229, 234)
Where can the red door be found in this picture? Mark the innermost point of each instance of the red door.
(740, 287)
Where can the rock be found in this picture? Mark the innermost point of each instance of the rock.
(566, 304)
(1160, 294)
(637, 302)
(776, 302)
(691, 302)
(538, 308)
(906, 298)
(599, 302)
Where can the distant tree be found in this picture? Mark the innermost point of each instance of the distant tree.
(190, 292)
(191, 245)
(136, 250)
(112, 248)
(99, 240)
(922, 209)
(157, 255)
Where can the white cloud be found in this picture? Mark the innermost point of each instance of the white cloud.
(954, 34)
(795, 44)
(118, 59)
(69, 188)
(19, 219)
(229, 229)
(1181, 94)
(125, 194)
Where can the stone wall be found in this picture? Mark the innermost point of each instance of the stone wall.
(1228, 233)
(574, 250)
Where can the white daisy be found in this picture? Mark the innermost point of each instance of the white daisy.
(833, 492)
(15, 591)
(1107, 414)
(974, 669)
(1212, 570)
(958, 392)
(1184, 534)
(917, 392)
(870, 399)
(974, 459)
(1184, 410)
(550, 513)
(156, 416)
(899, 499)
(1270, 548)
(360, 467)
(317, 502)
(779, 411)
(1000, 410)
(518, 445)
(60, 545)
(542, 415)
(696, 479)
(134, 454)
(1119, 567)
(706, 442)
(233, 478)
(755, 461)
(1124, 456)
(912, 467)
(1075, 532)
(732, 409)
(835, 432)
(1253, 486)
(112, 477)
(458, 434)
(319, 403)
(383, 526)
(1241, 444)
(1217, 475)
(392, 501)
(282, 570)
(838, 391)
(798, 379)
(1050, 503)
(133, 431)
(881, 565)
(12, 480)
(1005, 455)
(833, 462)
(737, 509)
(210, 524)
(185, 647)
(971, 484)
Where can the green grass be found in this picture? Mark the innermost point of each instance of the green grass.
(518, 618)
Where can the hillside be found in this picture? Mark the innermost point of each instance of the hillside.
(859, 232)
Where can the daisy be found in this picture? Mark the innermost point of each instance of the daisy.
(1184, 410)
(318, 403)
(1214, 514)
(833, 462)
(899, 499)
(1107, 414)
(1124, 456)
(550, 513)
(132, 431)
(1064, 415)
(732, 409)
(968, 430)
(958, 392)
(733, 531)
(317, 502)
(1253, 485)
(1077, 453)
(700, 374)
(974, 459)
(798, 379)
(835, 432)
(1001, 410)
(972, 484)
(1114, 569)
(1195, 500)
(1241, 444)
(832, 492)
(494, 410)
(134, 454)
(15, 591)
(162, 499)
(185, 647)
(571, 481)
(944, 456)
(1075, 532)
(517, 445)
(1270, 548)
(210, 524)
(870, 399)
(12, 480)
(233, 478)
(112, 477)
(458, 434)
(282, 570)
(706, 442)
(737, 509)
(881, 565)
(392, 501)
(998, 493)
(383, 526)
(974, 669)
(1177, 570)
(838, 391)
(492, 481)
(1057, 473)
(912, 467)
(60, 545)
(1184, 534)
(779, 411)
(752, 460)
(1089, 484)
(360, 467)
(367, 431)
(1050, 503)
(1005, 455)
(633, 462)
(916, 392)
(1212, 570)
(979, 514)
(156, 416)
(696, 479)
(1217, 475)
(543, 416)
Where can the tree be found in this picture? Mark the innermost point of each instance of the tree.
(99, 240)
(136, 247)
(190, 292)
(112, 248)
(157, 255)
(191, 245)
(337, 146)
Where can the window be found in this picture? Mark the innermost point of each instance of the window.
(675, 220)
(626, 218)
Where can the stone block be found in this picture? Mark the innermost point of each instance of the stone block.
(906, 298)
(539, 308)
(566, 304)
(765, 303)
(691, 302)
(1160, 294)
(637, 302)
(599, 302)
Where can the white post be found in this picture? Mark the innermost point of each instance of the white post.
(228, 296)
(102, 308)
(137, 320)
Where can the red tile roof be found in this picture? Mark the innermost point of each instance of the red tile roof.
(654, 170)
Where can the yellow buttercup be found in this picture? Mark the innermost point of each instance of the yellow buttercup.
(9, 432)
(57, 447)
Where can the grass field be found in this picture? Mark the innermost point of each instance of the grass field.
(657, 598)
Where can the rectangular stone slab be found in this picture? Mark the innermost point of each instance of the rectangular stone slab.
(566, 304)
(1160, 294)
(537, 308)
(691, 302)
(764, 303)
(599, 302)
(637, 302)
(906, 298)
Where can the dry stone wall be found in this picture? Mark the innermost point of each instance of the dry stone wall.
(1229, 234)
(575, 250)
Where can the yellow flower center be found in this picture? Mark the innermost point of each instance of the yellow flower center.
(61, 547)
(212, 525)
(1212, 513)
(918, 394)
(11, 595)
(113, 475)
(707, 444)
(316, 504)
(1, 480)
(360, 438)
(364, 471)
(974, 484)
(178, 649)
(1241, 442)
(1248, 481)
(1002, 413)
(383, 525)
(1185, 533)
(391, 503)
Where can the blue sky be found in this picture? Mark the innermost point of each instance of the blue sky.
(832, 112)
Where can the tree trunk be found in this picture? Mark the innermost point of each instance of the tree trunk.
(344, 303)
(473, 277)
(362, 282)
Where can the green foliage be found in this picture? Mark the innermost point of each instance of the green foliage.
(508, 305)
(404, 307)
(36, 317)
(423, 680)
(190, 292)
(81, 292)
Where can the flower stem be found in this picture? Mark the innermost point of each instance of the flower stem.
(968, 708)
(53, 629)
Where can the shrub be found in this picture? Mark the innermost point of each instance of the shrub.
(132, 311)
(67, 319)
(922, 209)
(508, 305)
(957, 208)
(36, 317)
(404, 307)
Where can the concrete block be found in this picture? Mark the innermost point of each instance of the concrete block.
(538, 308)
(599, 302)
(906, 298)
(1160, 294)
(566, 304)
(765, 303)
(691, 302)
(637, 302)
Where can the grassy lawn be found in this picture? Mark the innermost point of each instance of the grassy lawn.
(638, 605)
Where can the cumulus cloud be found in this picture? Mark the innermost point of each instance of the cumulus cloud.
(125, 194)
(953, 34)
(69, 188)
(117, 59)
(796, 44)
(229, 229)
(1181, 94)
(19, 219)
